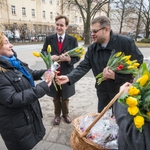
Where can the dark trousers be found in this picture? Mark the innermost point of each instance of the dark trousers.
(60, 105)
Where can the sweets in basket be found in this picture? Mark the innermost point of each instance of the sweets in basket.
(103, 133)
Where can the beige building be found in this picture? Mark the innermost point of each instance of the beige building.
(34, 17)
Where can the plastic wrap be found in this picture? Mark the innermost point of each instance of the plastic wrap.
(103, 133)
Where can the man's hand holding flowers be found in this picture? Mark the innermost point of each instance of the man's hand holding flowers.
(55, 57)
(118, 63)
(65, 57)
(108, 73)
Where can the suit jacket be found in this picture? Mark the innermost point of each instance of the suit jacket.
(66, 67)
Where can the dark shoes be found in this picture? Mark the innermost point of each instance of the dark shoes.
(57, 120)
(67, 119)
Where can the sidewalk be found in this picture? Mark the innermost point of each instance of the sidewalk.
(58, 137)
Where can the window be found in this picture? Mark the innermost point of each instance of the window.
(33, 12)
(15, 26)
(34, 27)
(80, 19)
(75, 7)
(75, 19)
(68, 5)
(57, 2)
(23, 11)
(13, 10)
(25, 26)
(43, 14)
(51, 1)
(51, 15)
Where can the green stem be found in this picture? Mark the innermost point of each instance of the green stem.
(55, 85)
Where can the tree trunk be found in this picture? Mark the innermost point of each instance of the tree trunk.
(138, 23)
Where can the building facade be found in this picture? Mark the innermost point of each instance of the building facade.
(33, 17)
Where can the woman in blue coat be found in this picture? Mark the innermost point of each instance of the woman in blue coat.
(21, 124)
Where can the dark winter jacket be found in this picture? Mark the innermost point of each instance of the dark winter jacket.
(130, 138)
(21, 124)
(96, 59)
(66, 67)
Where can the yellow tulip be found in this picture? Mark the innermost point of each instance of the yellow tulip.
(49, 48)
(143, 80)
(83, 53)
(131, 101)
(136, 64)
(36, 54)
(129, 62)
(148, 113)
(77, 50)
(131, 67)
(133, 91)
(126, 58)
(138, 121)
(134, 61)
(118, 54)
(133, 110)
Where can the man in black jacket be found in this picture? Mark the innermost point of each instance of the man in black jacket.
(60, 43)
(97, 56)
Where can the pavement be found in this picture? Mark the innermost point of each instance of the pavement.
(83, 102)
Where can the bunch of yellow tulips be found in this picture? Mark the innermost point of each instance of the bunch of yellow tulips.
(137, 100)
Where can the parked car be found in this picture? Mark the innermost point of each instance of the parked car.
(139, 37)
(41, 37)
(12, 36)
(9, 35)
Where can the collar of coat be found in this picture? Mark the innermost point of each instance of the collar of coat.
(113, 38)
(67, 41)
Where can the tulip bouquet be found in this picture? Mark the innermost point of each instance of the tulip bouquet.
(137, 100)
(120, 63)
(76, 52)
(50, 65)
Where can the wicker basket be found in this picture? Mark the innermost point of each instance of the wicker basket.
(78, 139)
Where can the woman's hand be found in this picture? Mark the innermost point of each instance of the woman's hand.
(48, 76)
(125, 87)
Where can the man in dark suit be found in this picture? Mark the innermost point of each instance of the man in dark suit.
(60, 43)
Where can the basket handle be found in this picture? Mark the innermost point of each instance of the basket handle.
(102, 113)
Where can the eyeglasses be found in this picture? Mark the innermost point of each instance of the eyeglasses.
(95, 31)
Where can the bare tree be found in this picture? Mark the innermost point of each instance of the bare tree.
(23, 29)
(122, 9)
(146, 17)
(142, 9)
(88, 9)
(139, 19)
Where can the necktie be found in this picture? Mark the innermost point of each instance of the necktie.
(60, 39)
